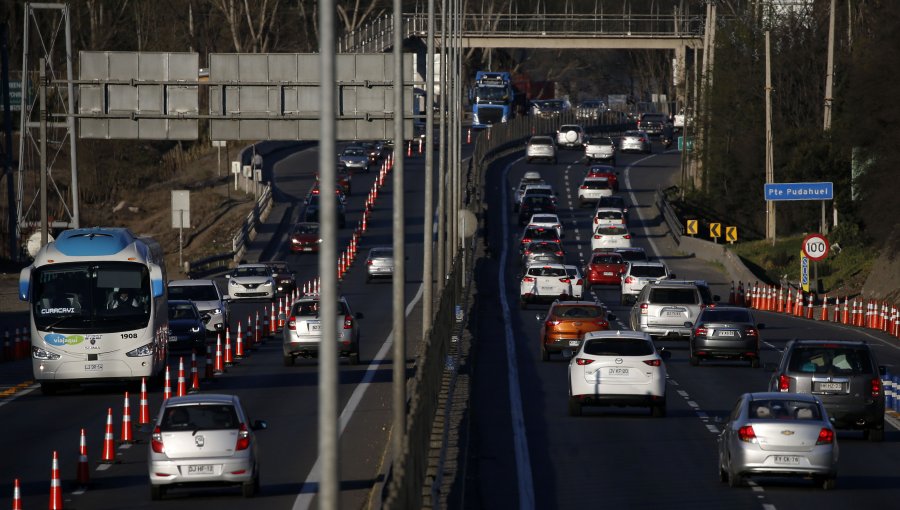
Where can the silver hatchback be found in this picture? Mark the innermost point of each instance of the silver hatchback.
(302, 334)
(380, 263)
(201, 440)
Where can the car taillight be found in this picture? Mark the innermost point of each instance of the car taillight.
(629, 279)
(551, 323)
(582, 187)
(369, 262)
(292, 322)
(627, 236)
(644, 308)
(784, 383)
(751, 332)
(826, 436)
(876, 387)
(156, 441)
(701, 331)
(526, 240)
(653, 362)
(528, 279)
(579, 282)
(746, 434)
(597, 236)
(565, 280)
(243, 440)
(602, 324)
(558, 253)
(596, 220)
(527, 252)
(348, 322)
(583, 361)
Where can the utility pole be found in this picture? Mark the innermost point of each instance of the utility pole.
(428, 224)
(770, 171)
(829, 79)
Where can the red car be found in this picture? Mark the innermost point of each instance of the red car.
(305, 237)
(605, 171)
(342, 182)
(605, 268)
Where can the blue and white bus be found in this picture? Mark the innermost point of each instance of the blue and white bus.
(98, 308)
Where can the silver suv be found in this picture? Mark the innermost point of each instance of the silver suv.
(303, 332)
(662, 308)
(209, 300)
(570, 136)
(540, 147)
(638, 274)
(843, 374)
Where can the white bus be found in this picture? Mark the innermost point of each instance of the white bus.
(98, 308)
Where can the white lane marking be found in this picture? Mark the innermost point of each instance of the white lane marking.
(767, 506)
(311, 485)
(702, 415)
(693, 404)
(125, 446)
(712, 428)
(517, 415)
(18, 394)
(682, 392)
(103, 467)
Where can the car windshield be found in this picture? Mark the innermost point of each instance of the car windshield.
(251, 271)
(182, 311)
(354, 151)
(196, 417)
(827, 359)
(194, 292)
(673, 296)
(714, 315)
(577, 311)
(633, 255)
(779, 409)
(648, 271)
(618, 347)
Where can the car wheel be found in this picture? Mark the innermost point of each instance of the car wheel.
(828, 483)
(876, 435)
(695, 361)
(545, 355)
(723, 475)
(624, 299)
(288, 360)
(574, 407)
(754, 363)
(48, 388)
(658, 410)
(249, 489)
(735, 480)
(354, 359)
(157, 492)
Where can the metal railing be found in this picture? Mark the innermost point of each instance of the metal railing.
(377, 36)
(248, 230)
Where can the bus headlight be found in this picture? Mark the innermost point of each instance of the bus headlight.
(144, 350)
(38, 353)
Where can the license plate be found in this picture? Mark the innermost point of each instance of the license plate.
(546, 289)
(831, 386)
(574, 343)
(93, 367)
(726, 333)
(616, 371)
(673, 314)
(607, 273)
(315, 326)
(202, 469)
(789, 460)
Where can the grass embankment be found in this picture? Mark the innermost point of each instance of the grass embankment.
(844, 270)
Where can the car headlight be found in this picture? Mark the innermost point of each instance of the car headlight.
(267, 284)
(38, 353)
(144, 350)
(195, 329)
(217, 311)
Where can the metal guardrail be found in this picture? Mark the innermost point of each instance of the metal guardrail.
(669, 215)
(248, 230)
(377, 36)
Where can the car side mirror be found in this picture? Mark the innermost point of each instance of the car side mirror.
(610, 317)
(260, 425)
(358, 315)
(760, 326)
(688, 324)
(770, 367)
(664, 354)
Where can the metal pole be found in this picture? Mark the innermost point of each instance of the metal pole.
(180, 238)
(428, 227)
(328, 358)
(73, 154)
(398, 434)
(454, 141)
(770, 170)
(442, 156)
(8, 143)
(829, 71)
(43, 145)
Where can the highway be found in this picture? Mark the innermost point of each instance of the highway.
(286, 397)
(618, 457)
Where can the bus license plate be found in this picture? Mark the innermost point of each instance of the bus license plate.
(202, 469)
(617, 371)
(789, 460)
(93, 367)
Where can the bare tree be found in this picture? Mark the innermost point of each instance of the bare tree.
(252, 24)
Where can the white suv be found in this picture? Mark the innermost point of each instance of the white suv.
(545, 282)
(540, 147)
(570, 136)
(206, 296)
(638, 274)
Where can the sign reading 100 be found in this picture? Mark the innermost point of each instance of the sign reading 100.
(815, 247)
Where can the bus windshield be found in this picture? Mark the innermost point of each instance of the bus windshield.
(97, 297)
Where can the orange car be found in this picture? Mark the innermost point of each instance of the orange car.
(566, 322)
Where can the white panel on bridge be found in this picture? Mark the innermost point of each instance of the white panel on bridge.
(273, 88)
(130, 96)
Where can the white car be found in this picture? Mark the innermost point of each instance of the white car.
(639, 274)
(544, 282)
(540, 147)
(600, 148)
(592, 189)
(577, 279)
(609, 216)
(547, 220)
(518, 191)
(610, 236)
(570, 136)
(618, 368)
(251, 281)
(539, 189)
(635, 141)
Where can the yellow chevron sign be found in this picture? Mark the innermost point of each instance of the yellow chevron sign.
(715, 230)
(691, 227)
(731, 234)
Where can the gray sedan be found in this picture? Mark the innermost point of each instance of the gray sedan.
(725, 332)
(778, 434)
(380, 263)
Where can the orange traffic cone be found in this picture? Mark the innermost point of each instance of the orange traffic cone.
(740, 295)
(181, 388)
(144, 407)
(167, 386)
(272, 316)
(257, 337)
(17, 496)
(731, 298)
(56, 502)
(220, 363)
(239, 345)
(127, 436)
(83, 473)
(469, 136)
(208, 366)
(195, 375)
(824, 315)
(229, 354)
(109, 445)
(845, 313)
(409, 149)
(809, 307)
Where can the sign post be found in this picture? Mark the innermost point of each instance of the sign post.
(815, 247)
(804, 272)
(181, 217)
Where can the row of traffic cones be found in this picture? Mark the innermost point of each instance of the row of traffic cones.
(16, 346)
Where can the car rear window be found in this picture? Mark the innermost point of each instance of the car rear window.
(830, 360)
(199, 417)
(648, 271)
(618, 347)
(541, 141)
(725, 316)
(577, 311)
(194, 292)
(612, 201)
(778, 409)
(607, 259)
(596, 184)
(633, 255)
(609, 215)
(311, 309)
(612, 230)
(547, 271)
(544, 247)
(670, 296)
(601, 141)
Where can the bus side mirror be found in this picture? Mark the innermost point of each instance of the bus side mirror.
(157, 284)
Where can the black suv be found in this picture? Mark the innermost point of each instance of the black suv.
(843, 374)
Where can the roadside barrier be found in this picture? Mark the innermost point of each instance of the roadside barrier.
(229, 354)
(220, 363)
(239, 346)
(127, 436)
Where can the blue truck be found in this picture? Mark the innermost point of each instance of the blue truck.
(493, 99)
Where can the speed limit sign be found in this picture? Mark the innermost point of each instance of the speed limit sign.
(815, 246)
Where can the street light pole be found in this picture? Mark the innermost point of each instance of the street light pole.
(428, 216)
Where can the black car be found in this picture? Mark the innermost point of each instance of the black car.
(187, 328)
(311, 214)
(284, 278)
(535, 204)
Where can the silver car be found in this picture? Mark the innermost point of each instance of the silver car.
(206, 295)
(303, 333)
(662, 308)
(540, 147)
(355, 157)
(778, 434)
(203, 439)
(380, 262)
(251, 281)
(635, 141)
(638, 274)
